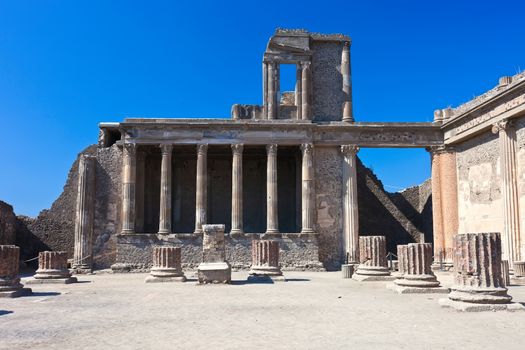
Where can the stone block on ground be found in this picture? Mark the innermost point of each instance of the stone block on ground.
(214, 267)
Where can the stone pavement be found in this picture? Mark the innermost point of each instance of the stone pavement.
(313, 310)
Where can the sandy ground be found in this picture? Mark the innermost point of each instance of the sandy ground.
(310, 311)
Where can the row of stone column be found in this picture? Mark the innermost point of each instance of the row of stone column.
(271, 87)
(165, 227)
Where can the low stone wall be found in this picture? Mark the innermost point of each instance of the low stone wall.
(134, 251)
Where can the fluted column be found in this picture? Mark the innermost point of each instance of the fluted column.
(511, 235)
(10, 286)
(166, 265)
(478, 283)
(128, 187)
(272, 94)
(265, 89)
(308, 189)
(265, 258)
(85, 207)
(372, 257)
(437, 215)
(139, 198)
(402, 260)
(298, 91)
(201, 201)
(272, 219)
(418, 272)
(350, 204)
(305, 77)
(347, 83)
(52, 265)
(237, 207)
(165, 189)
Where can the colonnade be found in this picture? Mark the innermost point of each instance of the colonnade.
(129, 187)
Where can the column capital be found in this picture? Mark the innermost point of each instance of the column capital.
(349, 150)
(130, 148)
(166, 148)
(307, 148)
(305, 64)
(346, 44)
(271, 149)
(202, 148)
(502, 125)
(237, 148)
(440, 149)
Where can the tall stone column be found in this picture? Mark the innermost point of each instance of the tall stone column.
(128, 187)
(298, 91)
(10, 286)
(201, 200)
(444, 203)
(305, 77)
(418, 276)
(308, 189)
(372, 256)
(347, 83)
(265, 260)
(272, 95)
(84, 213)
(350, 204)
(265, 89)
(237, 207)
(272, 219)
(165, 189)
(140, 182)
(511, 236)
(478, 284)
(167, 265)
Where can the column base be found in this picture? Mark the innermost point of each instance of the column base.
(237, 233)
(416, 290)
(127, 232)
(372, 273)
(265, 279)
(215, 273)
(198, 233)
(164, 232)
(473, 307)
(67, 280)
(157, 279)
(271, 234)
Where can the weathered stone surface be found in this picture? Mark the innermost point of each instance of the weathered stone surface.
(372, 256)
(505, 273)
(477, 274)
(10, 286)
(214, 267)
(402, 261)
(418, 276)
(52, 268)
(265, 260)
(8, 223)
(519, 268)
(166, 265)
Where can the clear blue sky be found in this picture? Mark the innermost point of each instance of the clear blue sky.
(67, 65)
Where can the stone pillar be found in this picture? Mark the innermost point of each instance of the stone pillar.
(272, 94)
(372, 256)
(265, 89)
(165, 190)
(265, 260)
(519, 269)
(299, 91)
(128, 187)
(347, 83)
(444, 203)
(478, 284)
(201, 201)
(237, 207)
(166, 265)
(511, 236)
(84, 214)
(505, 273)
(272, 219)
(350, 204)
(10, 286)
(418, 276)
(214, 267)
(402, 260)
(305, 77)
(308, 189)
(140, 182)
(52, 268)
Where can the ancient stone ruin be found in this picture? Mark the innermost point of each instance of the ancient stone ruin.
(214, 267)
(10, 286)
(52, 268)
(166, 265)
(478, 283)
(265, 261)
(372, 255)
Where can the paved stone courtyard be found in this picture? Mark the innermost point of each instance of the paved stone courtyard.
(310, 311)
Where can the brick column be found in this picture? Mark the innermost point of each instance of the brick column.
(10, 286)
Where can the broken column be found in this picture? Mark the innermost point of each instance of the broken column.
(10, 286)
(402, 261)
(214, 267)
(84, 215)
(167, 265)
(265, 261)
(52, 268)
(418, 276)
(372, 256)
(478, 284)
